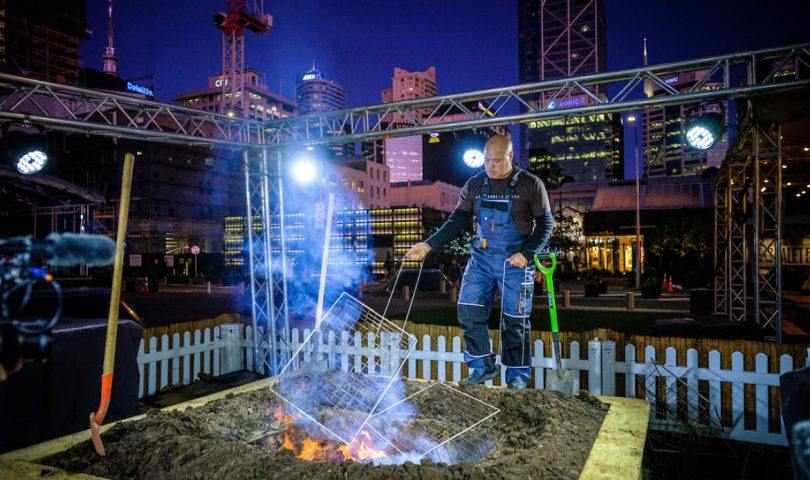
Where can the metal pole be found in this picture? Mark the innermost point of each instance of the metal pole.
(638, 210)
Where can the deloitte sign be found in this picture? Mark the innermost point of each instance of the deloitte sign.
(135, 88)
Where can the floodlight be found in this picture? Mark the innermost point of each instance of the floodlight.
(474, 158)
(32, 162)
(304, 170)
(703, 131)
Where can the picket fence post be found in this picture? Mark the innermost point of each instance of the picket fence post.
(595, 367)
(231, 356)
(609, 367)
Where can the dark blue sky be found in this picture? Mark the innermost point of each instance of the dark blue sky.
(472, 43)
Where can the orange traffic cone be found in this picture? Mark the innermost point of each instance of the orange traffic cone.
(669, 284)
(664, 281)
(146, 285)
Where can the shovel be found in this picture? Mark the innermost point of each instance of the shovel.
(560, 379)
(315, 365)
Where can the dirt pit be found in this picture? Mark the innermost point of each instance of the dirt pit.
(537, 434)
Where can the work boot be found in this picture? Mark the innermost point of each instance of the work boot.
(480, 375)
(517, 384)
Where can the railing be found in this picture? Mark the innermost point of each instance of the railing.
(744, 402)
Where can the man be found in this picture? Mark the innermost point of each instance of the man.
(512, 221)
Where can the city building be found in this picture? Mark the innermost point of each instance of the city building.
(366, 237)
(610, 222)
(666, 152)
(317, 94)
(40, 39)
(560, 39)
(425, 193)
(363, 184)
(403, 154)
(586, 148)
(259, 102)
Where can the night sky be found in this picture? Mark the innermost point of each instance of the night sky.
(357, 43)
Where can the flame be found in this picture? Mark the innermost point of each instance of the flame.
(279, 415)
(287, 442)
(311, 450)
(362, 448)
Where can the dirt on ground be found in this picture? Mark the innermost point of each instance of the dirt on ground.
(537, 434)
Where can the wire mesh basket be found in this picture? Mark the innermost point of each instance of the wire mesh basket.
(439, 422)
(346, 370)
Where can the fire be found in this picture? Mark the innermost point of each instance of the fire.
(361, 449)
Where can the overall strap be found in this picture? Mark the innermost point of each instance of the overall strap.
(485, 187)
(512, 183)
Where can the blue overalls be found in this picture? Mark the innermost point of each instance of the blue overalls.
(497, 238)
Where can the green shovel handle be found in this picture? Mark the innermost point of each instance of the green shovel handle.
(548, 272)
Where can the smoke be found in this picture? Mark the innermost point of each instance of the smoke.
(349, 258)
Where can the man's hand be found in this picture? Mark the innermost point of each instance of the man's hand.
(418, 252)
(518, 260)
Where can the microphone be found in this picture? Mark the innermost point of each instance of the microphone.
(63, 249)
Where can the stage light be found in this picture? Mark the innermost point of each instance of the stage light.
(32, 162)
(304, 170)
(474, 158)
(703, 132)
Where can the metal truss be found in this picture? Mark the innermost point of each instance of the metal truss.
(752, 167)
(768, 227)
(93, 112)
(427, 115)
(233, 66)
(268, 265)
(96, 112)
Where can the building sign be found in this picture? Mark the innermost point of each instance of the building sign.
(168, 260)
(671, 80)
(568, 102)
(135, 261)
(795, 251)
(434, 138)
(220, 82)
(309, 76)
(135, 88)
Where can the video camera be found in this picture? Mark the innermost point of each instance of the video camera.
(30, 340)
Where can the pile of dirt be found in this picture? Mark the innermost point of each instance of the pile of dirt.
(537, 434)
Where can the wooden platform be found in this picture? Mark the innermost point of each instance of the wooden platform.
(616, 453)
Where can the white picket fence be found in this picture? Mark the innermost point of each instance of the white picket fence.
(230, 348)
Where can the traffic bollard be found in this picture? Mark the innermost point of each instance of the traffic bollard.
(566, 298)
(406, 292)
(631, 301)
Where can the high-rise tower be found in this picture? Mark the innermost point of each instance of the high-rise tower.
(559, 39)
(109, 58)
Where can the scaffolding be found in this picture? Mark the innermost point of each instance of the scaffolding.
(737, 76)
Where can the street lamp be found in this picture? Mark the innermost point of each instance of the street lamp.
(632, 120)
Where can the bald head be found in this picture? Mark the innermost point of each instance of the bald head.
(498, 157)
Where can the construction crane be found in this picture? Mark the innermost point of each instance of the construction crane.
(240, 17)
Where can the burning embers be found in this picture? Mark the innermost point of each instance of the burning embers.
(308, 447)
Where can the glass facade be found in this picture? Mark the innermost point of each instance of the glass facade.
(355, 234)
(587, 148)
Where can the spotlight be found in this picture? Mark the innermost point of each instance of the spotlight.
(32, 162)
(703, 132)
(474, 158)
(304, 170)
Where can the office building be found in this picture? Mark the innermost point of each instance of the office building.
(561, 39)
(258, 101)
(40, 39)
(403, 154)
